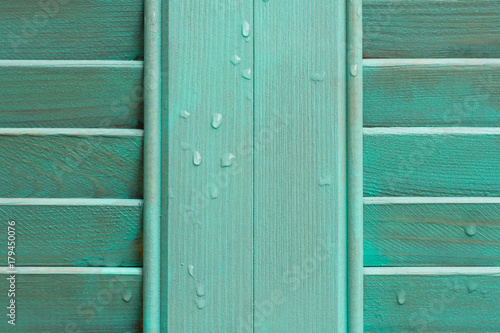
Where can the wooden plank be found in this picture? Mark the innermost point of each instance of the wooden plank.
(410, 233)
(75, 302)
(208, 182)
(64, 29)
(432, 92)
(80, 163)
(432, 162)
(46, 232)
(152, 165)
(431, 29)
(299, 185)
(71, 94)
(432, 303)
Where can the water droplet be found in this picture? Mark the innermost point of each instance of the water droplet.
(227, 160)
(127, 296)
(200, 303)
(185, 146)
(213, 192)
(191, 270)
(216, 120)
(247, 74)
(354, 70)
(401, 297)
(470, 230)
(472, 287)
(235, 60)
(184, 114)
(245, 29)
(200, 289)
(319, 76)
(325, 181)
(196, 158)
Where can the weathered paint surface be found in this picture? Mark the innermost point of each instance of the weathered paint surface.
(75, 302)
(434, 232)
(41, 164)
(432, 162)
(73, 232)
(431, 29)
(72, 29)
(432, 92)
(432, 303)
(71, 94)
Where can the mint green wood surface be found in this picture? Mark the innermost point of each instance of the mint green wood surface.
(432, 92)
(431, 29)
(207, 198)
(71, 29)
(75, 303)
(71, 94)
(432, 162)
(78, 163)
(433, 303)
(299, 184)
(73, 232)
(432, 232)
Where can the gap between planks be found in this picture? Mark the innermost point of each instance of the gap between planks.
(69, 202)
(73, 270)
(72, 63)
(429, 200)
(432, 271)
(430, 62)
(431, 131)
(72, 131)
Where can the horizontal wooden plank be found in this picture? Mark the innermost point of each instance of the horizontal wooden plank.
(432, 234)
(80, 163)
(102, 234)
(71, 94)
(62, 29)
(432, 92)
(431, 29)
(432, 303)
(75, 303)
(432, 162)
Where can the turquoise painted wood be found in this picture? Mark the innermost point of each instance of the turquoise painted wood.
(299, 166)
(76, 232)
(207, 192)
(432, 162)
(431, 29)
(432, 92)
(434, 302)
(76, 302)
(74, 163)
(432, 232)
(71, 94)
(72, 29)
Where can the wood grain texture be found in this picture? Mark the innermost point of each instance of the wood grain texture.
(420, 162)
(209, 207)
(432, 303)
(431, 29)
(440, 234)
(76, 235)
(71, 94)
(73, 165)
(299, 185)
(75, 303)
(432, 93)
(65, 29)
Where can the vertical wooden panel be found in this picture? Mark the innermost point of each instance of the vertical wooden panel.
(209, 155)
(299, 207)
